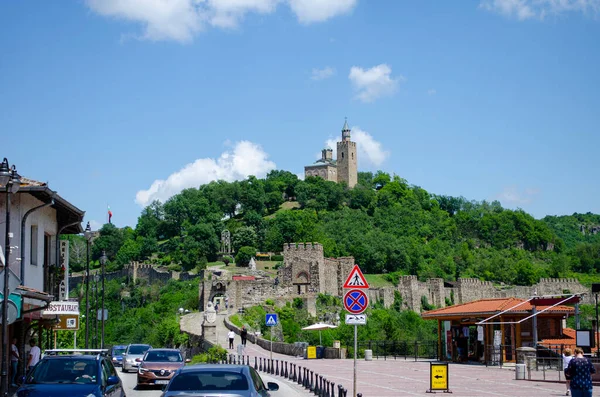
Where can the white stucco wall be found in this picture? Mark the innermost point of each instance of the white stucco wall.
(45, 220)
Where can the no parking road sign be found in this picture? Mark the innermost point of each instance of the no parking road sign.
(356, 301)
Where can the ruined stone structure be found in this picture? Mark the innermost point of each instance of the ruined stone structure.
(138, 271)
(437, 292)
(344, 169)
(306, 270)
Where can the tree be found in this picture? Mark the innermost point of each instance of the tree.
(244, 255)
(244, 236)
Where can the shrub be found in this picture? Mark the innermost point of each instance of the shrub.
(227, 260)
(277, 258)
(174, 267)
(278, 265)
(244, 255)
(270, 302)
(213, 355)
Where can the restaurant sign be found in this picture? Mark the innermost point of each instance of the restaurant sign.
(60, 308)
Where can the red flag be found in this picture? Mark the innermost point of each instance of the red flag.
(109, 214)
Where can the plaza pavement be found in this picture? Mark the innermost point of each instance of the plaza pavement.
(395, 378)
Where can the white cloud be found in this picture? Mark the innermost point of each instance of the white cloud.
(309, 11)
(431, 92)
(512, 195)
(539, 9)
(181, 20)
(322, 74)
(246, 158)
(373, 83)
(369, 150)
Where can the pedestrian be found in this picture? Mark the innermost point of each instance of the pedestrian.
(226, 302)
(580, 370)
(14, 361)
(217, 308)
(231, 335)
(244, 335)
(567, 357)
(34, 354)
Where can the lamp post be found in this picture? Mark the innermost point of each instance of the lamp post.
(12, 181)
(95, 293)
(102, 263)
(88, 236)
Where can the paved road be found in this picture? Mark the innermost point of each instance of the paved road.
(286, 389)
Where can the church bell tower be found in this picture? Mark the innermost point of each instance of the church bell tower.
(347, 169)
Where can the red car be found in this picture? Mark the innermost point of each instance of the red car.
(158, 366)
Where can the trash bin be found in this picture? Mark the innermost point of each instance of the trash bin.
(320, 352)
(520, 372)
(368, 355)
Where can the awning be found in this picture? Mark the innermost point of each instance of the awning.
(15, 305)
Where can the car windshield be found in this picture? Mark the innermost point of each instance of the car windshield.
(206, 380)
(138, 349)
(162, 356)
(65, 370)
(117, 351)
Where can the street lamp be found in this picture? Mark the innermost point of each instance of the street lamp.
(102, 263)
(12, 181)
(88, 236)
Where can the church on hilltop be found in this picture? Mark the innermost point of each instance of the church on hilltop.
(344, 169)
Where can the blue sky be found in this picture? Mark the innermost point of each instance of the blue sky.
(118, 102)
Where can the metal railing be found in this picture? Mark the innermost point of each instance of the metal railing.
(313, 382)
(414, 350)
(499, 354)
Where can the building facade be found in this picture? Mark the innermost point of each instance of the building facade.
(344, 168)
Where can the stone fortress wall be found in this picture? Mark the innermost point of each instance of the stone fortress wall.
(466, 290)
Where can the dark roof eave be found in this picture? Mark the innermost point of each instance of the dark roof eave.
(45, 193)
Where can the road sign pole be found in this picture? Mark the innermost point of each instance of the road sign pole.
(271, 346)
(355, 345)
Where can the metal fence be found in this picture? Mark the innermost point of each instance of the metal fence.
(499, 354)
(413, 350)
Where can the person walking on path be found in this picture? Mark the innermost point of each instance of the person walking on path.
(580, 370)
(231, 336)
(567, 357)
(34, 355)
(14, 361)
(244, 335)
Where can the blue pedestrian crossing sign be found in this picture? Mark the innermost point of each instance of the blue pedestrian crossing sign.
(271, 319)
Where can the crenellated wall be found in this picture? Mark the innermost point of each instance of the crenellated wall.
(469, 289)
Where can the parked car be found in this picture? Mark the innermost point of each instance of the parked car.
(158, 366)
(212, 380)
(73, 374)
(133, 355)
(116, 353)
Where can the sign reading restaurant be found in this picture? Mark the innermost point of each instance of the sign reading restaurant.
(64, 307)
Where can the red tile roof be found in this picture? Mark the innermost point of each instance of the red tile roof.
(491, 306)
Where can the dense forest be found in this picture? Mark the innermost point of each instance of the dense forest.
(388, 226)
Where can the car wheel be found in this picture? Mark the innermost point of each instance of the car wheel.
(123, 369)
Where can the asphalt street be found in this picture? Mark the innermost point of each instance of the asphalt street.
(286, 389)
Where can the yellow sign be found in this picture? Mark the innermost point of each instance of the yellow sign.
(439, 376)
(311, 352)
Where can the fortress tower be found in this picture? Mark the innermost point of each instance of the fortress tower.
(347, 169)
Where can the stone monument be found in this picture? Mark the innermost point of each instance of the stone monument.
(252, 264)
(209, 328)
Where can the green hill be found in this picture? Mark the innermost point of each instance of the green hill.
(389, 226)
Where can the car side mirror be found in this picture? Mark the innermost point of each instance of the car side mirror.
(272, 386)
(187, 360)
(112, 380)
(139, 360)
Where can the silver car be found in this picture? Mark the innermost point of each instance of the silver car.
(133, 356)
(218, 380)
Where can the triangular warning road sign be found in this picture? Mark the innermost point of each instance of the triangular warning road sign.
(356, 279)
